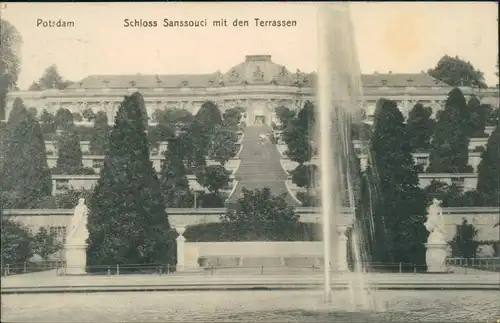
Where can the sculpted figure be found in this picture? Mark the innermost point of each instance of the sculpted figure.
(78, 232)
(435, 223)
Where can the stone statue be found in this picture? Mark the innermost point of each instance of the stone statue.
(78, 232)
(435, 223)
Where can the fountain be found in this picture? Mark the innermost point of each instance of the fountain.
(338, 90)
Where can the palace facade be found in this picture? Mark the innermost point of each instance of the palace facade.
(257, 84)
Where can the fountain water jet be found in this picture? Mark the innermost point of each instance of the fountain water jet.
(338, 91)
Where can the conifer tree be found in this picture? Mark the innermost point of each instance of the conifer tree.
(450, 143)
(488, 178)
(174, 182)
(25, 175)
(399, 204)
(100, 135)
(127, 219)
(69, 152)
(420, 127)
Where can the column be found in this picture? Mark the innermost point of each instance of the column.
(180, 247)
(342, 249)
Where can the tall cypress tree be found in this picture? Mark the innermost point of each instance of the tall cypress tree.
(174, 183)
(450, 143)
(127, 220)
(69, 152)
(100, 135)
(488, 178)
(399, 208)
(25, 175)
(420, 127)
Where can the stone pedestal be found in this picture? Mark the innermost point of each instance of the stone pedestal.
(435, 257)
(180, 248)
(76, 259)
(342, 249)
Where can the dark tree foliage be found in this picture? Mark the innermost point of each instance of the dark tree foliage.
(284, 115)
(208, 116)
(88, 114)
(455, 71)
(231, 117)
(464, 242)
(223, 145)
(17, 242)
(63, 119)
(10, 62)
(46, 243)
(488, 178)
(25, 175)
(420, 127)
(260, 216)
(127, 219)
(450, 144)
(399, 206)
(69, 152)
(174, 182)
(299, 134)
(215, 178)
(51, 79)
(100, 134)
(305, 176)
(47, 121)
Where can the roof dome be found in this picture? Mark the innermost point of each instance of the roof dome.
(258, 69)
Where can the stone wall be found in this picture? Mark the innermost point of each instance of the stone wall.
(483, 218)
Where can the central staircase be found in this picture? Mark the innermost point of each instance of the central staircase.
(260, 166)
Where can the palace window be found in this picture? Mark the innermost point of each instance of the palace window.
(97, 163)
(421, 160)
(62, 184)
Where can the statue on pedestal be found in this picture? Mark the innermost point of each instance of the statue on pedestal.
(437, 247)
(435, 223)
(76, 241)
(78, 233)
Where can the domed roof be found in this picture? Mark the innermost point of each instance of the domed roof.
(260, 69)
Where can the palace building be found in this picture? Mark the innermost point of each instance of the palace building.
(257, 84)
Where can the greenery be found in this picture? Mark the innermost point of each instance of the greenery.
(100, 135)
(25, 173)
(19, 244)
(47, 122)
(299, 137)
(69, 152)
(260, 216)
(232, 117)
(299, 134)
(399, 207)
(488, 178)
(63, 119)
(455, 71)
(420, 127)
(51, 79)
(464, 244)
(450, 144)
(174, 183)
(127, 222)
(16, 242)
(223, 145)
(46, 243)
(88, 114)
(10, 59)
(304, 176)
(284, 115)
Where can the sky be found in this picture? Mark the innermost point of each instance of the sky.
(399, 37)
